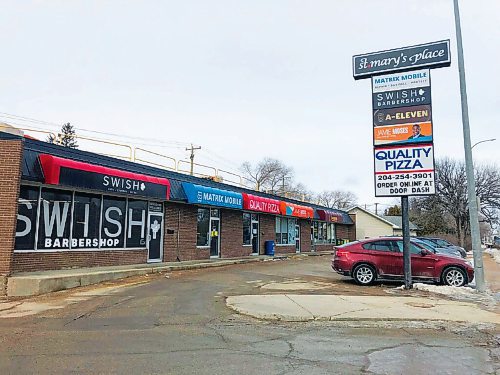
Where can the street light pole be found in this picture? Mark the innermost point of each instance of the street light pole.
(485, 140)
(469, 166)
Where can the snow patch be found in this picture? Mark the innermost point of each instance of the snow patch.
(495, 254)
(459, 293)
(451, 291)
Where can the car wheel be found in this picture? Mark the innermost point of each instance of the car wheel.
(364, 274)
(454, 276)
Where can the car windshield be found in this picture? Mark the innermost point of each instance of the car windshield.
(427, 241)
(425, 245)
(442, 243)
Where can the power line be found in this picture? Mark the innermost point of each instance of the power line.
(150, 141)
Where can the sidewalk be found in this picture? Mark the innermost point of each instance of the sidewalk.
(35, 283)
(491, 273)
(302, 307)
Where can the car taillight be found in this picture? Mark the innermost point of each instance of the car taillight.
(341, 253)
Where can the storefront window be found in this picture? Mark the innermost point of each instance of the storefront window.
(285, 230)
(331, 233)
(77, 220)
(291, 230)
(113, 222)
(26, 218)
(247, 222)
(203, 230)
(86, 220)
(323, 232)
(136, 223)
(55, 219)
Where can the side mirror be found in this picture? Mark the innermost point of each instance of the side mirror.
(424, 252)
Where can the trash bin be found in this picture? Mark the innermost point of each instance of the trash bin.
(269, 247)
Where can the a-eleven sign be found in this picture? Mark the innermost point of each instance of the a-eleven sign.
(404, 170)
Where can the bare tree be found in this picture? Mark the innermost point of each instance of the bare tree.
(269, 174)
(300, 192)
(336, 199)
(451, 197)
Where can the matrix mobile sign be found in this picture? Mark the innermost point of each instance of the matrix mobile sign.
(429, 55)
(404, 170)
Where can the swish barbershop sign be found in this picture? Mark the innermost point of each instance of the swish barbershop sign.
(111, 183)
(67, 172)
(430, 55)
(60, 228)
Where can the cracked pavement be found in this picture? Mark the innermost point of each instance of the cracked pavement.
(181, 325)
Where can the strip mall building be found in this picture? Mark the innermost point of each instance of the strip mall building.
(66, 208)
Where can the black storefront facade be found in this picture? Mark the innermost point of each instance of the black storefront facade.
(69, 208)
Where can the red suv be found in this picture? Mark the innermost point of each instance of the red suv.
(382, 258)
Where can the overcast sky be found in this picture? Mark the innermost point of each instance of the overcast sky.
(245, 79)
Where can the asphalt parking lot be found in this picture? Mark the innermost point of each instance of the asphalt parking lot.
(179, 324)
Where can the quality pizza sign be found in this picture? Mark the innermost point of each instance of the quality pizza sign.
(404, 171)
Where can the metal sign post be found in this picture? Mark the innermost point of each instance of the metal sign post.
(406, 242)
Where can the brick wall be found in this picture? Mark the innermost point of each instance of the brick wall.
(181, 244)
(11, 152)
(43, 261)
(305, 236)
(346, 232)
(232, 235)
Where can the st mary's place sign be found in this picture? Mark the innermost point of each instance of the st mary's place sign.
(429, 55)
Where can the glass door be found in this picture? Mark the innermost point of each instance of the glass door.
(297, 238)
(255, 237)
(214, 237)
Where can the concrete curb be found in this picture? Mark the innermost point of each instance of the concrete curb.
(306, 308)
(37, 283)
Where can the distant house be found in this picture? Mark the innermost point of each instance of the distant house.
(369, 224)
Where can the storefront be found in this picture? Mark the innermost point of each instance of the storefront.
(208, 228)
(85, 207)
(324, 227)
(251, 229)
(66, 208)
(288, 227)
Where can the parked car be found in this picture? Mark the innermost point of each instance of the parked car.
(382, 258)
(445, 244)
(431, 245)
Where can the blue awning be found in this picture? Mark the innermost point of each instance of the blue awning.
(211, 196)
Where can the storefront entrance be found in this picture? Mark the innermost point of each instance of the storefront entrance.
(297, 238)
(255, 235)
(155, 237)
(214, 237)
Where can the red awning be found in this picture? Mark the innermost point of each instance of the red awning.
(330, 216)
(261, 204)
(296, 210)
(51, 167)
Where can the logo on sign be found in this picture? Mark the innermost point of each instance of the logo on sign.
(402, 98)
(122, 184)
(402, 115)
(401, 81)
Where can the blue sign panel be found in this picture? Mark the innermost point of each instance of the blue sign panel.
(214, 197)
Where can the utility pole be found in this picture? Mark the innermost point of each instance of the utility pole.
(469, 165)
(376, 208)
(192, 149)
(406, 242)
